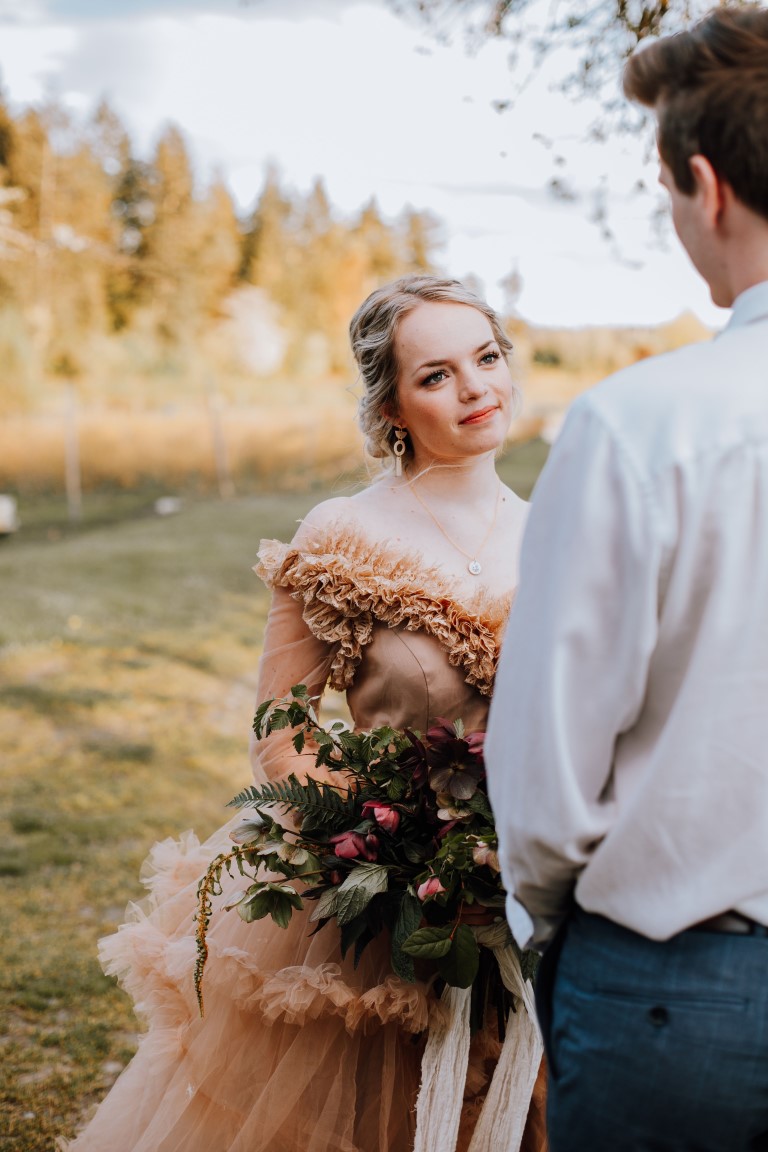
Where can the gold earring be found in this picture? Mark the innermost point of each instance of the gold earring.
(398, 449)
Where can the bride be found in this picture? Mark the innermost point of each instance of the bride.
(397, 596)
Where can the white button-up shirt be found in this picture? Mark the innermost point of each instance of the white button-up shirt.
(628, 741)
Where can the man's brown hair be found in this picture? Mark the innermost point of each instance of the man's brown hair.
(709, 87)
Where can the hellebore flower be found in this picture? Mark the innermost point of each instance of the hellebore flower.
(255, 827)
(350, 845)
(455, 760)
(483, 854)
(447, 810)
(384, 815)
(430, 887)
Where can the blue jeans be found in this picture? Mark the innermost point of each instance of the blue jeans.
(654, 1047)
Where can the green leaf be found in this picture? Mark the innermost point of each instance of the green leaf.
(255, 907)
(459, 967)
(352, 932)
(458, 727)
(268, 899)
(415, 853)
(279, 720)
(479, 803)
(281, 911)
(408, 920)
(326, 905)
(297, 714)
(308, 867)
(396, 788)
(298, 741)
(428, 943)
(361, 885)
(261, 712)
(286, 892)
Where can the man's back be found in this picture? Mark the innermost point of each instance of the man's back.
(690, 778)
(628, 740)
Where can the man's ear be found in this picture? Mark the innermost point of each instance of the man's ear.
(711, 190)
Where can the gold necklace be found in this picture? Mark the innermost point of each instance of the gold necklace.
(474, 567)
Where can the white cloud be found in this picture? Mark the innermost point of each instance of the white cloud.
(31, 58)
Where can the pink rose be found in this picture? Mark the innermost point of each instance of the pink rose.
(384, 815)
(350, 845)
(430, 887)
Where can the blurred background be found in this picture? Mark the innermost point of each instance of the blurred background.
(195, 195)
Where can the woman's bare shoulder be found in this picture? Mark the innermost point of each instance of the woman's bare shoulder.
(337, 514)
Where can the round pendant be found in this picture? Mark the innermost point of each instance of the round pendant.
(475, 567)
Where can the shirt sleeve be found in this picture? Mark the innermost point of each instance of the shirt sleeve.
(573, 668)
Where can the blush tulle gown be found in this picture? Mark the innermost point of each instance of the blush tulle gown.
(298, 1051)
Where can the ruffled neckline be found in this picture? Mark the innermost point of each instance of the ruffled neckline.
(348, 583)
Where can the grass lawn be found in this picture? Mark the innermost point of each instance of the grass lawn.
(128, 653)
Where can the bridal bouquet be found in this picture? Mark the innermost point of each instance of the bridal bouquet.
(404, 843)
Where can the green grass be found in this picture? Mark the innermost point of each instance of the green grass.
(128, 651)
(520, 465)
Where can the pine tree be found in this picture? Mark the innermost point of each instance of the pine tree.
(218, 248)
(169, 241)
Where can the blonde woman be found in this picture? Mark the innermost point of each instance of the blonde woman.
(397, 596)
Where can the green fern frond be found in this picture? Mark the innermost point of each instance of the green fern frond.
(306, 798)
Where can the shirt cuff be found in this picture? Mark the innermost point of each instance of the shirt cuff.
(520, 922)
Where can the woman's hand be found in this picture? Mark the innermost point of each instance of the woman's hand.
(476, 915)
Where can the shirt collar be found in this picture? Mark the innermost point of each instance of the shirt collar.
(751, 305)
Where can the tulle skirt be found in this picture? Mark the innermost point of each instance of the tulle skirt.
(298, 1051)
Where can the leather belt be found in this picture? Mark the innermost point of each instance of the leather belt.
(732, 922)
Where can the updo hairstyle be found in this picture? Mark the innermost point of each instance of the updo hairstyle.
(372, 332)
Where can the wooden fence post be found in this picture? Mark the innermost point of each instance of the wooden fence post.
(72, 476)
(218, 440)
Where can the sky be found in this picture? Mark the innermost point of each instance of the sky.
(347, 90)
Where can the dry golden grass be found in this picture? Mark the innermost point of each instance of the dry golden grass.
(146, 418)
(176, 447)
(263, 448)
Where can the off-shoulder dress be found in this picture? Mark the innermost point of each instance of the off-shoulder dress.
(298, 1051)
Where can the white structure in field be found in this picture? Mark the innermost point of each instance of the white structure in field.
(9, 515)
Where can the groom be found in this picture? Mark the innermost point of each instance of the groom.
(628, 742)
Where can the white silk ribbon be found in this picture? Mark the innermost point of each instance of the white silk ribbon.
(501, 1122)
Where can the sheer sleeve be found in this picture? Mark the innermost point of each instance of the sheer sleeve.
(292, 655)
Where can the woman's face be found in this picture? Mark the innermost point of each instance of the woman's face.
(454, 391)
